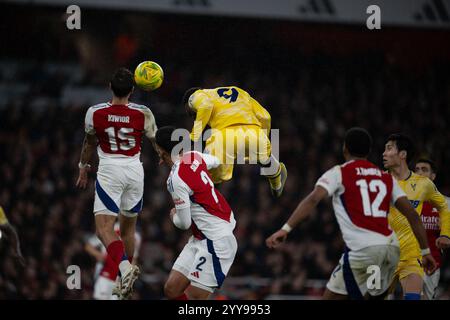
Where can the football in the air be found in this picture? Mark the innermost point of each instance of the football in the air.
(148, 75)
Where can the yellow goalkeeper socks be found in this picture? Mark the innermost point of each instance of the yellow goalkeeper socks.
(275, 180)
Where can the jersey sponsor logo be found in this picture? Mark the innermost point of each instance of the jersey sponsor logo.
(114, 118)
(195, 274)
(413, 186)
(430, 223)
(414, 203)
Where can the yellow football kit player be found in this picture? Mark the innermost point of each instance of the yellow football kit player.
(240, 127)
(418, 189)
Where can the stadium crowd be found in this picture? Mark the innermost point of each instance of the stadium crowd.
(312, 101)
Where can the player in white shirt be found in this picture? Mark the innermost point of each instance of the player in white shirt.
(105, 271)
(119, 128)
(362, 194)
(207, 257)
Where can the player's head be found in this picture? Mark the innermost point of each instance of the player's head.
(165, 144)
(426, 167)
(357, 143)
(122, 83)
(187, 101)
(398, 149)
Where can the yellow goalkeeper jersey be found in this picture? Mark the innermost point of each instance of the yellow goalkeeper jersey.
(224, 107)
(3, 219)
(418, 189)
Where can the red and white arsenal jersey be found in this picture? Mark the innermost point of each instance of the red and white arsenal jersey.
(190, 185)
(119, 129)
(431, 223)
(362, 194)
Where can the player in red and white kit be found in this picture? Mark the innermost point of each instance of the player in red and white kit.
(119, 127)
(431, 222)
(361, 195)
(105, 271)
(207, 257)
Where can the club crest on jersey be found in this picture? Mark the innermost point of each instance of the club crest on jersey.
(414, 203)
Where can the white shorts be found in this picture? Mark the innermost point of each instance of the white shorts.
(205, 262)
(430, 284)
(119, 189)
(103, 289)
(369, 270)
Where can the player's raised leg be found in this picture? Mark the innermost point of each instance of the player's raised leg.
(127, 233)
(116, 250)
(412, 286)
(176, 285)
(271, 168)
(104, 228)
(104, 224)
(196, 293)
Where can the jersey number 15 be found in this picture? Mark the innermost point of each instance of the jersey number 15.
(127, 141)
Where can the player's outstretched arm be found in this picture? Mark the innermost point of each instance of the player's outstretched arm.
(405, 207)
(89, 144)
(303, 210)
(204, 106)
(12, 235)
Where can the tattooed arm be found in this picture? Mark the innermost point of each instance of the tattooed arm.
(89, 144)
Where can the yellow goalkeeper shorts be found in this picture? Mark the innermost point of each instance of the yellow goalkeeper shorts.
(409, 266)
(237, 144)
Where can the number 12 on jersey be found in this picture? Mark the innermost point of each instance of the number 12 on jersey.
(372, 209)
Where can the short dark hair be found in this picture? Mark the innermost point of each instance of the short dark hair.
(430, 162)
(358, 142)
(163, 138)
(188, 93)
(122, 82)
(403, 143)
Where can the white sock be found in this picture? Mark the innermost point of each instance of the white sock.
(124, 266)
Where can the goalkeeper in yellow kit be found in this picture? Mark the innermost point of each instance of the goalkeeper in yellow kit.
(240, 130)
(398, 152)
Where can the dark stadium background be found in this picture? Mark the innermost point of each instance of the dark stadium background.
(316, 80)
